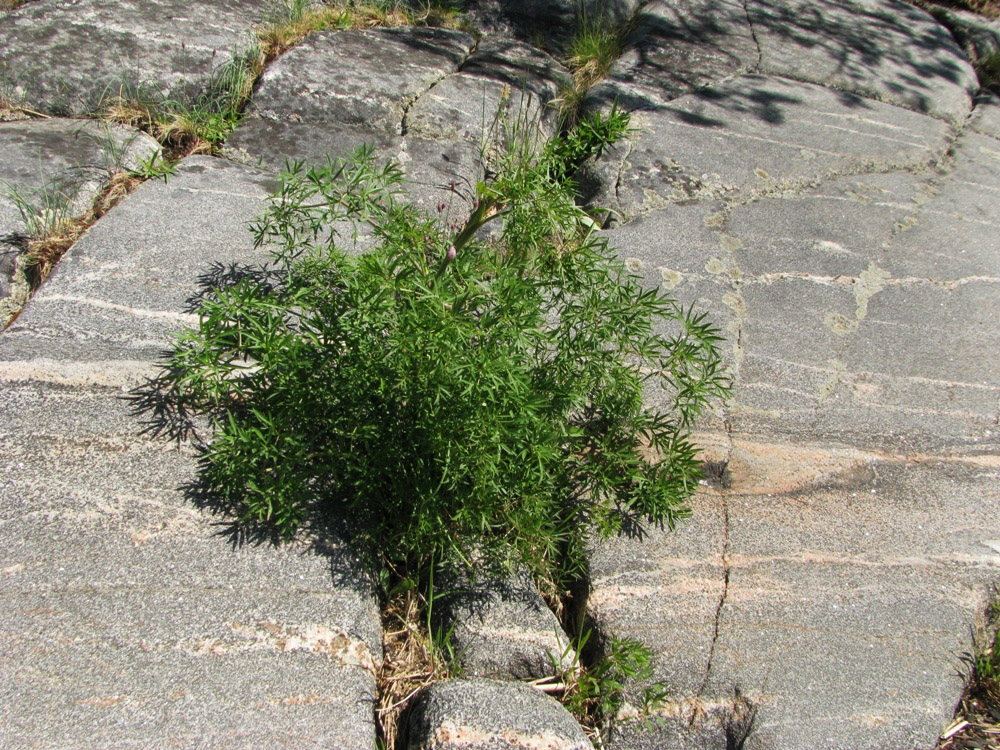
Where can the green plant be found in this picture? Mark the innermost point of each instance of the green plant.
(46, 210)
(988, 70)
(596, 693)
(986, 665)
(214, 114)
(597, 42)
(977, 719)
(154, 167)
(191, 124)
(51, 228)
(984, 661)
(446, 396)
(53, 215)
(588, 137)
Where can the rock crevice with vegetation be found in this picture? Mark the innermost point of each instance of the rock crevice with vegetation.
(496, 339)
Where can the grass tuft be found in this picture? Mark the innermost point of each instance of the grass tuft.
(54, 219)
(51, 225)
(412, 661)
(595, 46)
(988, 8)
(291, 21)
(202, 124)
(199, 125)
(598, 41)
(977, 721)
(988, 70)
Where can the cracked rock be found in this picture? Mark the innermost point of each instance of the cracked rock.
(676, 48)
(359, 78)
(986, 116)
(67, 160)
(424, 97)
(753, 135)
(501, 75)
(553, 20)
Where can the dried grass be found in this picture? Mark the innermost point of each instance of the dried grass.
(988, 8)
(44, 251)
(179, 133)
(977, 721)
(977, 726)
(278, 36)
(411, 663)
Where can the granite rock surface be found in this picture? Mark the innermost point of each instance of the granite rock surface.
(822, 179)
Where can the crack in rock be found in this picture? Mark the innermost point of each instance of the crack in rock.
(753, 35)
(726, 567)
(412, 101)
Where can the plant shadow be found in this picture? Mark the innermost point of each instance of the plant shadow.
(164, 413)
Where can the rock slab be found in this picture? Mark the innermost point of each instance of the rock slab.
(132, 617)
(503, 629)
(71, 58)
(430, 99)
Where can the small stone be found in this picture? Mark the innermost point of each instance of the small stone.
(503, 629)
(489, 715)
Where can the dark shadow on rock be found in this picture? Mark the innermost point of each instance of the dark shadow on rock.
(856, 37)
(12, 246)
(158, 402)
(458, 596)
(740, 722)
(162, 411)
(166, 412)
(672, 53)
(707, 107)
(673, 56)
(219, 277)
(516, 64)
(554, 21)
(700, 120)
(441, 42)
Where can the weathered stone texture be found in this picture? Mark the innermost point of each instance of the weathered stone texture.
(503, 629)
(879, 49)
(131, 618)
(433, 100)
(69, 58)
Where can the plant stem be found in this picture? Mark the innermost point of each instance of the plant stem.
(478, 219)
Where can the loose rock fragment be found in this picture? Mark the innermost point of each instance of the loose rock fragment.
(488, 715)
